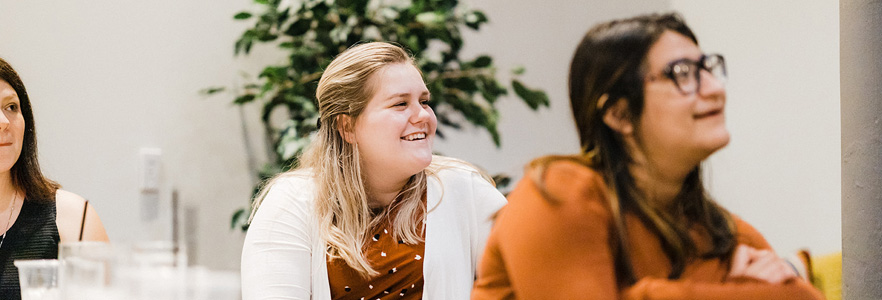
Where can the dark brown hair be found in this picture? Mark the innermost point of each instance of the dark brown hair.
(609, 66)
(26, 173)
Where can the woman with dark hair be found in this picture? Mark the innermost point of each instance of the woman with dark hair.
(628, 217)
(35, 215)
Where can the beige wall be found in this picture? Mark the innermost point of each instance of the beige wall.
(110, 77)
(541, 36)
(781, 171)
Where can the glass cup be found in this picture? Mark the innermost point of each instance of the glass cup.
(159, 254)
(38, 279)
(205, 284)
(157, 270)
(88, 268)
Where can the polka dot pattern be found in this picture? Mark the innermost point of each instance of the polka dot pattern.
(400, 266)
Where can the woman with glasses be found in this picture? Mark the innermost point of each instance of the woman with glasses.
(628, 217)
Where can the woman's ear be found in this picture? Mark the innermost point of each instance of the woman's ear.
(346, 128)
(618, 117)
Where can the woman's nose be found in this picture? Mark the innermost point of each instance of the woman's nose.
(4, 121)
(710, 85)
(422, 115)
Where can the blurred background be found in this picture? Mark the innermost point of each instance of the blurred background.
(111, 80)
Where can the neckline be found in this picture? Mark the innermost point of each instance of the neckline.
(23, 214)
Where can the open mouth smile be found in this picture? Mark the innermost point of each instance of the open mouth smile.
(414, 136)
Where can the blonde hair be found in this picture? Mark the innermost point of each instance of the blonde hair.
(341, 203)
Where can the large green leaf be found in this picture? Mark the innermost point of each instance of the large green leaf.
(483, 61)
(533, 98)
(475, 19)
(242, 15)
(239, 218)
(299, 27)
(242, 99)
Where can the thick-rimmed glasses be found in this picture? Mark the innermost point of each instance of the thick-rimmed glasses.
(686, 73)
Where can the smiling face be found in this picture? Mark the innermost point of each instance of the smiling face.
(395, 131)
(12, 127)
(688, 127)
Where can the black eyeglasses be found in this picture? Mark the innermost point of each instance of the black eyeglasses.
(686, 73)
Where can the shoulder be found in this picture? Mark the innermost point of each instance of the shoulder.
(562, 203)
(447, 167)
(566, 180)
(291, 190)
(561, 191)
(294, 184)
(747, 234)
(75, 220)
(67, 203)
(455, 175)
(456, 172)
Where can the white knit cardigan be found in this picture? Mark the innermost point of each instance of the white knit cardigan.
(283, 257)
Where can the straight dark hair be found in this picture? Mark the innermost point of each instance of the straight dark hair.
(26, 173)
(609, 66)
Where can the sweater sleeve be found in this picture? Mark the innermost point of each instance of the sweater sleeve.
(276, 257)
(664, 289)
(742, 288)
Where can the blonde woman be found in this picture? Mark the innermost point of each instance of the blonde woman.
(370, 213)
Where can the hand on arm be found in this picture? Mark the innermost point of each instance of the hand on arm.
(755, 273)
(759, 264)
(666, 289)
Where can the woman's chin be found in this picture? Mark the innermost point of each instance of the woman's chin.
(418, 162)
(713, 145)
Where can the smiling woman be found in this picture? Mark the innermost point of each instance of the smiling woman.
(36, 215)
(370, 212)
(395, 130)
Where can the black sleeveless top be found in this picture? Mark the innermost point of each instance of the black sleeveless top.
(34, 235)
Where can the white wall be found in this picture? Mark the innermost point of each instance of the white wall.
(781, 171)
(109, 77)
(541, 36)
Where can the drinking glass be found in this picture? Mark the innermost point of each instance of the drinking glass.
(38, 279)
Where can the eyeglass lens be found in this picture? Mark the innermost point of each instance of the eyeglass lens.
(687, 75)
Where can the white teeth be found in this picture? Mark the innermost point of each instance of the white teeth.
(414, 136)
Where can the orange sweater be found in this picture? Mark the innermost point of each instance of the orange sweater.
(543, 250)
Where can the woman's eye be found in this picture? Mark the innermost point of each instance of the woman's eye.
(400, 104)
(682, 71)
(12, 107)
(424, 102)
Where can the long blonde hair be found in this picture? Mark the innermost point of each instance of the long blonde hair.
(341, 203)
